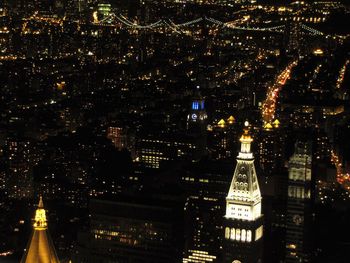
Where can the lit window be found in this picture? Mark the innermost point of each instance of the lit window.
(195, 105)
(243, 235)
(258, 233)
(233, 232)
(227, 232)
(238, 234)
(249, 236)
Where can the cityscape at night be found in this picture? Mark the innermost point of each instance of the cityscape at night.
(174, 131)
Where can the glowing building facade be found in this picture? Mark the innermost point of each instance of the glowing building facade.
(243, 222)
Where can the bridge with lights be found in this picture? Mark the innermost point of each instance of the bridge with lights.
(114, 20)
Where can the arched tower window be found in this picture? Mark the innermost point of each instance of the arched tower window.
(244, 235)
(227, 232)
(233, 233)
(238, 234)
(249, 236)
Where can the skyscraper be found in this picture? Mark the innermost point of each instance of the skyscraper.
(40, 248)
(133, 229)
(197, 124)
(270, 148)
(299, 204)
(243, 222)
(197, 117)
(22, 155)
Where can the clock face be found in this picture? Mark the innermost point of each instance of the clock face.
(297, 219)
(194, 116)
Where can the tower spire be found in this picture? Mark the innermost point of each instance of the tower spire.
(246, 141)
(40, 248)
(41, 203)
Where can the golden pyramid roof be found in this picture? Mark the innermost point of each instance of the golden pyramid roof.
(40, 248)
(268, 126)
(276, 123)
(231, 119)
(221, 123)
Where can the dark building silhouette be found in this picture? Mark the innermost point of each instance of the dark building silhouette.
(132, 230)
(299, 205)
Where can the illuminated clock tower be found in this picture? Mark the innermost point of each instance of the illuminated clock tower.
(197, 117)
(243, 221)
(196, 126)
(299, 219)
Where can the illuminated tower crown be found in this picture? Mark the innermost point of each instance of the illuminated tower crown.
(197, 115)
(40, 249)
(243, 221)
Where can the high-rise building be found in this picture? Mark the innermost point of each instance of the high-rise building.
(153, 149)
(104, 10)
(222, 138)
(21, 155)
(197, 117)
(205, 186)
(40, 248)
(76, 7)
(133, 230)
(122, 138)
(270, 148)
(299, 205)
(293, 45)
(243, 222)
(197, 124)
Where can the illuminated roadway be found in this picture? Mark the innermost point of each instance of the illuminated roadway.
(269, 105)
(342, 177)
(342, 75)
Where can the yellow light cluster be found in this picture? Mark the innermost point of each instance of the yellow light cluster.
(269, 126)
(199, 256)
(40, 219)
(222, 123)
